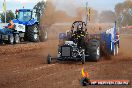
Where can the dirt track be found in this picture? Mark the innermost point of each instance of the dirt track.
(24, 65)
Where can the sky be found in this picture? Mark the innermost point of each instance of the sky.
(66, 5)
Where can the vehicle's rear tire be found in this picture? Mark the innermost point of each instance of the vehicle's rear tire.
(17, 38)
(94, 49)
(43, 35)
(33, 33)
(11, 39)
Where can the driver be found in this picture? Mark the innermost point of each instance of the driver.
(78, 36)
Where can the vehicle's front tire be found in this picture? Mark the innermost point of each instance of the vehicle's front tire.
(49, 59)
(83, 58)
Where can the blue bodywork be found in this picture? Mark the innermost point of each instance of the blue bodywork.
(110, 39)
(27, 23)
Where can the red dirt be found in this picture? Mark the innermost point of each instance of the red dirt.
(24, 65)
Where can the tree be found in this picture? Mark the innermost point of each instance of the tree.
(40, 7)
(124, 13)
(9, 16)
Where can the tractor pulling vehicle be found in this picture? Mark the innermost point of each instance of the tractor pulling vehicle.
(77, 44)
(26, 28)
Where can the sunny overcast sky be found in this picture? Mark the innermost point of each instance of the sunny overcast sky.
(63, 4)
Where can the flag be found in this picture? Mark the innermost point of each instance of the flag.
(4, 6)
(89, 14)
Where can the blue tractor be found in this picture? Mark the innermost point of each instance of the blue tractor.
(26, 28)
(27, 25)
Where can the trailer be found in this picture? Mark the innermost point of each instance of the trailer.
(77, 44)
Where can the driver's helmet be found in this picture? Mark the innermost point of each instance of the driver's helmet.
(79, 27)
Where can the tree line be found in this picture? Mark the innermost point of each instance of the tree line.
(122, 13)
(9, 16)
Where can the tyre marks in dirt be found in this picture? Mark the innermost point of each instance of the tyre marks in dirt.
(58, 75)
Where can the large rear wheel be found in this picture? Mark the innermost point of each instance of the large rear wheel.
(33, 33)
(94, 49)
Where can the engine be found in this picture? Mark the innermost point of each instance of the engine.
(69, 50)
(72, 43)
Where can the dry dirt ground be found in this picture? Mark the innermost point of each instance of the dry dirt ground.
(24, 65)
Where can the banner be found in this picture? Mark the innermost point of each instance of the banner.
(4, 6)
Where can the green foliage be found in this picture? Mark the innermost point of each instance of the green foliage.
(40, 7)
(9, 16)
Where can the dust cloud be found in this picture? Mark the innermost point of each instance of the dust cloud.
(57, 13)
